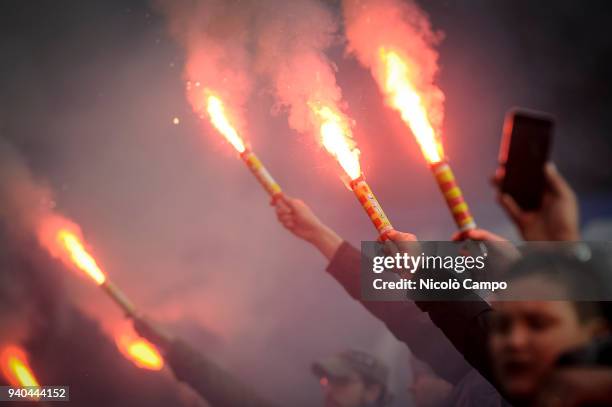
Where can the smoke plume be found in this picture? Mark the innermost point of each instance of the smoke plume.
(291, 41)
(215, 36)
(402, 27)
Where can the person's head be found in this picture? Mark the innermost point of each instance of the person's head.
(541, 318)
(353, 379)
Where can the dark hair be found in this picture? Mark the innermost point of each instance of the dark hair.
(585, 278)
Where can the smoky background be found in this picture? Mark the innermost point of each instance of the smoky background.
(88, 94)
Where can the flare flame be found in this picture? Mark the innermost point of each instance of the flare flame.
(403, 96)
(16, 369)
(218, 117)
(139, 351)
(335, 132)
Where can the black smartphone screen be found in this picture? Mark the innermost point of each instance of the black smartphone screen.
(525, 150)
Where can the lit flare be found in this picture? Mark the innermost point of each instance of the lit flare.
(404, 97)
(139, 351)
(16, 369)
(63, 240)
(335, 135)
(80, 256)
(218, 117)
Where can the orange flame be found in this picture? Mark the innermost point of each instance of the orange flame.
(62, 239)
(15, 367)
(403, 96)
(81, 258)
(335, 133)
(218, 117)
(140, 351)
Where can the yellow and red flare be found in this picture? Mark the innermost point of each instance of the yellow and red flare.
(370, 204)
(397, 84)
(336, 137)
(219, 118)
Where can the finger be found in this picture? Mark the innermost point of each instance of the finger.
(286, 218)
(276, 198)
(496, 179)
(458, 236)
(281, 212)
(477, 235)
(295, 204)
(397, 236)
(283, 203)
(556, 183)
(511, 207)
(282, 206)
(464, 235)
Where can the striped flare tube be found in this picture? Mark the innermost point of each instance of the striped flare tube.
(370, 204)
(261, 173)
(453, 196)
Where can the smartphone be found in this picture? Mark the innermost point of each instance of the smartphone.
(525, 149)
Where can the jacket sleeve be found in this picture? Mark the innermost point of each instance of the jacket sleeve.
(464, 322)
(403, 318)
(217, 386)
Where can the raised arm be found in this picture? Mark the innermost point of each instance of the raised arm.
(215, 384)
(403, 319)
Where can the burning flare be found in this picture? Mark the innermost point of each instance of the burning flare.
(16, 369)
(81, 258)
(403, 96)
(218, 117)
(140, 351)
(335, 135)
(62, 238)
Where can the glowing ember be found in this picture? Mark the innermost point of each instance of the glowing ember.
(218, 117)
(335, 134)
(404, 97)
(140, 351)
(79, 256)
(15, 367)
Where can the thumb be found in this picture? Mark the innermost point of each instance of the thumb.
(282, 203)
(297, 206)
(555, 181)
(511, 207)
(397, 236)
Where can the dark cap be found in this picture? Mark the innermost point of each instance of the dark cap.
(341, 365)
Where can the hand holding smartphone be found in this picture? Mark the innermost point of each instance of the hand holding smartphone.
(525, 149)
